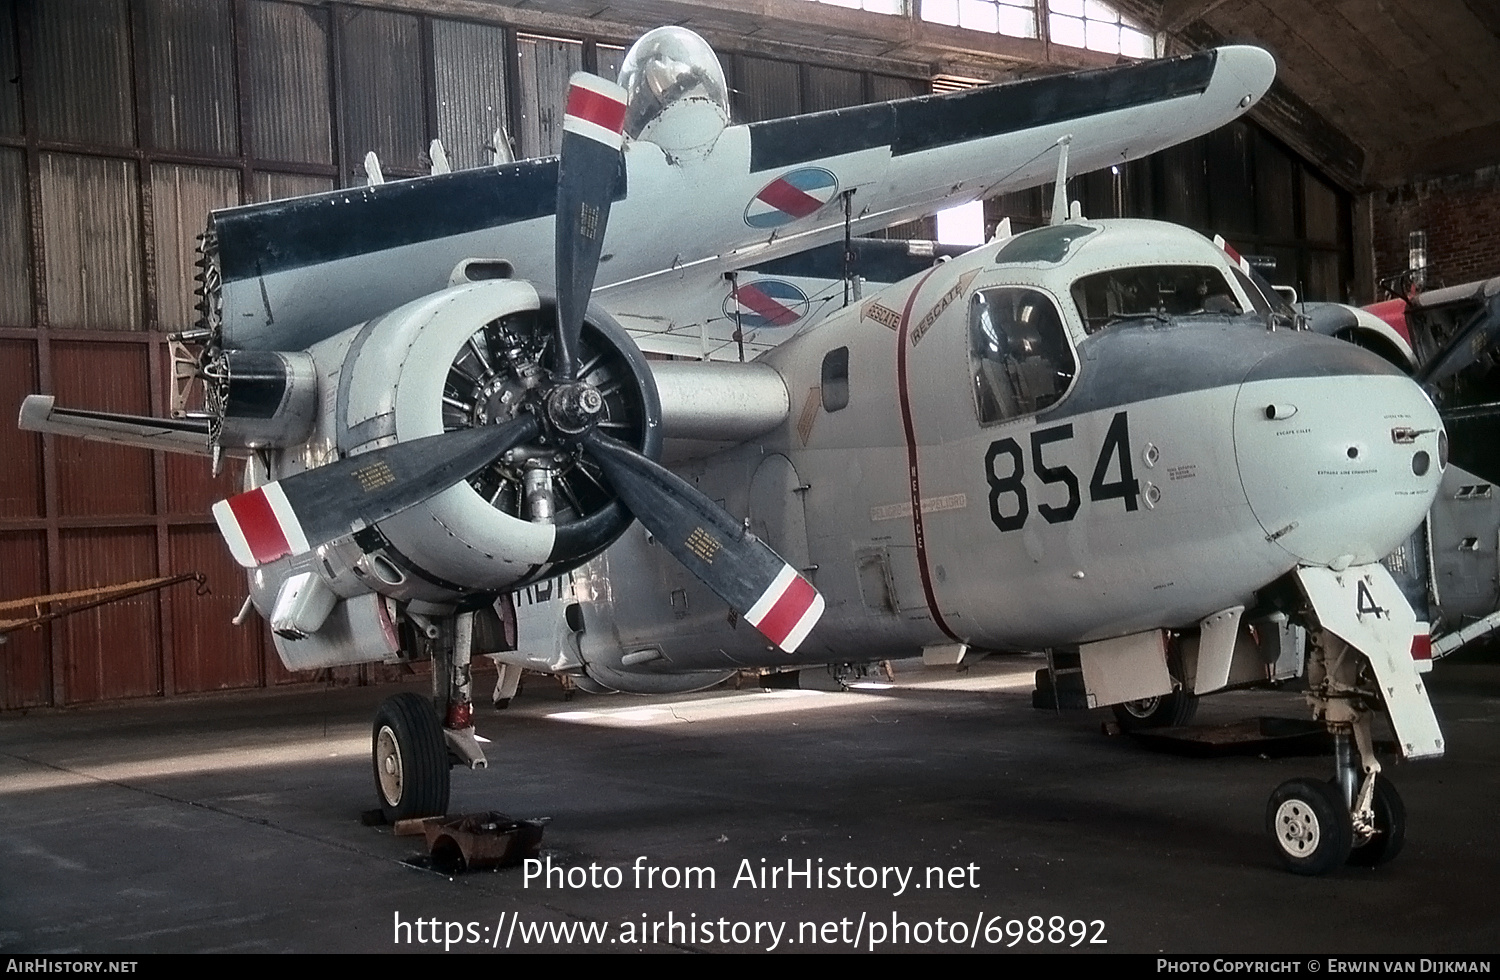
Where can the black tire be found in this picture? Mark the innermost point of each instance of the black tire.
(1390, 828)
(410, 759)
(1309, 826)
(1166, 711)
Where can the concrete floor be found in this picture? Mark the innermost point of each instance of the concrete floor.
(232, 824)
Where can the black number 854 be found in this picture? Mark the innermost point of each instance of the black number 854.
(1013, 486)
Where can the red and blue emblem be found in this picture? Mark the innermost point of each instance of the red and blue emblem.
(766, 303)
(791, 196)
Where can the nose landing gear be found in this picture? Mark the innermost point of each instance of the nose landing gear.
(1357, 817)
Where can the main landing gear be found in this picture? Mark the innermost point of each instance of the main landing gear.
(1357, 817)
(417, 740)
(1163, 711)
(411, 760)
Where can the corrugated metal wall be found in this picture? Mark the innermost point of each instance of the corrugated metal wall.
(10, 67)
(469, 78)
(382, 108)
(190, 50)
(91, 233)
(81, 70)
(290, 93)
(144, 115)
(180, 197)
(545, 64)
(134, 117)
(15, 241)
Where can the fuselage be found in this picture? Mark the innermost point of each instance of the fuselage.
(1006, 452)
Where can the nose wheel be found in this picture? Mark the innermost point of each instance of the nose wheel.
(1310, 826)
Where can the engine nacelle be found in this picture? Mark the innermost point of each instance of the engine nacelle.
(263, 399)
(473, 354)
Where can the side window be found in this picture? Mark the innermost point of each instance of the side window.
(1019, 353)
(835, 379)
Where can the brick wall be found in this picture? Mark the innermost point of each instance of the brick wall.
(1461, 216)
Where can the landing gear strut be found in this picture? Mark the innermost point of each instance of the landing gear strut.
(1357, 817)
(417, 740)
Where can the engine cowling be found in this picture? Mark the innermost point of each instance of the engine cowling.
(475, 354)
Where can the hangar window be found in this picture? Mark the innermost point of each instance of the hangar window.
(1019, 353)
(1016, 18)
(1150, 291)
(1098, 27)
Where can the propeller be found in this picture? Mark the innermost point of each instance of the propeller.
(306, 510)
(1465, 346)
(587, 172)
(740, 568)
(311, 508)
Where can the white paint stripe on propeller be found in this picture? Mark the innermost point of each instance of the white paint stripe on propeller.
(229, 529)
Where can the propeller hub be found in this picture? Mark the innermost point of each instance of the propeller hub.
(574, 407)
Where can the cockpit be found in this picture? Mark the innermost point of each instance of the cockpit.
(1108, 297)
(1021, 358)
(668, 67)
(1063, 284)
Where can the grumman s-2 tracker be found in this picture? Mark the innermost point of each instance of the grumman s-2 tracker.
(1097, 436)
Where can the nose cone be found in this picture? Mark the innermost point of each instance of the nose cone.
(1337, 452)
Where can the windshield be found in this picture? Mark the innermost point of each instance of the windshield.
(1151, 291)
(665, 66)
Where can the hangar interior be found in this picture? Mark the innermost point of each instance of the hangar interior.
(122, 122)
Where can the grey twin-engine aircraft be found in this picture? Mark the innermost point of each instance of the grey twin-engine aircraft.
(1098, 436)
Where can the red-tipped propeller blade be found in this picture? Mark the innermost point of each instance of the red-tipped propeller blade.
(308, 509)
(588, 172)
(740, 568)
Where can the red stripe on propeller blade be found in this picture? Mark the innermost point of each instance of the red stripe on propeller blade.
(259, 525)
(788, 611)
(601, 110)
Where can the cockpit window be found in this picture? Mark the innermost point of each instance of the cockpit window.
(1050, 243)
(1151, 290)
(668, 65)
(1018, 351)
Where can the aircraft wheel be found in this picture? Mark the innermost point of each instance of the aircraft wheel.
(1309, 823)
(1165, 711)
(411, 759)
(1390, 828)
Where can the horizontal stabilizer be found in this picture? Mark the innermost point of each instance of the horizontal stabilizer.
(39, 413)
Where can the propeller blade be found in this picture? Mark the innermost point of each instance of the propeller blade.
(316, 506)
(587, 173)
(1473, 432)
(740, 568)
(1465, 346)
